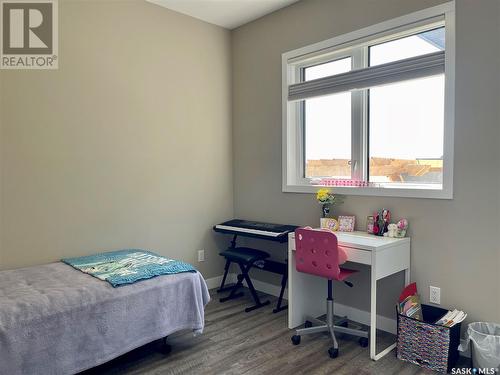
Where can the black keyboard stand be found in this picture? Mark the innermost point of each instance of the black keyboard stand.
(222, 287)
(247, 258)
(281, 269)
(245, 268)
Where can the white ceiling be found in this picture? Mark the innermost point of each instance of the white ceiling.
(226, 13)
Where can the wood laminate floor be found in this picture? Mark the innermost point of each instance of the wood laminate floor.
(258, 342)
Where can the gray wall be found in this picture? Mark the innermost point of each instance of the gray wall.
(454, 242)
(1, 173)
(128, 144)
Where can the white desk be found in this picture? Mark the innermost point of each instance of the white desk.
(307, 293)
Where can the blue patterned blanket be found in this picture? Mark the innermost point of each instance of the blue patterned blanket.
(127, 266)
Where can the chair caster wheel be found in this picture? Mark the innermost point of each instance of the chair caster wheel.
(333, 353)
(363, 342)
(295, 339)
(307, 324)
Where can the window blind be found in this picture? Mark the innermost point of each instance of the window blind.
(401, 70)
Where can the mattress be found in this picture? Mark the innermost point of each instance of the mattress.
(57, 320)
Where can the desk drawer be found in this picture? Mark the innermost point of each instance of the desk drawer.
(357, 255)
(353, 255)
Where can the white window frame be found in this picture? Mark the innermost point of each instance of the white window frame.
(342, 46)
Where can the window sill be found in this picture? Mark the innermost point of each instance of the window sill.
(422, 192)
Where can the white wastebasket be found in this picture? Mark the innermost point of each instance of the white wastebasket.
(485, 338)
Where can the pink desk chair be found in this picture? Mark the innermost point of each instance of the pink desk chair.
(317, 253)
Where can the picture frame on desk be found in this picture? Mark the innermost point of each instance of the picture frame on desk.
(347, 223)
(370, 222)
(329, 223)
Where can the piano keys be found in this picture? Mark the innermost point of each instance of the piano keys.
(247, 228)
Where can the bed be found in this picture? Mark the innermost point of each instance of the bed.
(55, 319)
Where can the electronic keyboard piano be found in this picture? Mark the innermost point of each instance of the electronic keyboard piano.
(265, 231)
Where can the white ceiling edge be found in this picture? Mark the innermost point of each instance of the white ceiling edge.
(229, 14)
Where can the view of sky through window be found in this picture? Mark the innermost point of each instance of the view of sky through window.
(406, 119)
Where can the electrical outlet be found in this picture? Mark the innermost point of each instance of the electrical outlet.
(435, 295)
(201, 255)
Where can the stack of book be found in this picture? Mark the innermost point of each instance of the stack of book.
(409, 302)
(411, 307)
(451, 318)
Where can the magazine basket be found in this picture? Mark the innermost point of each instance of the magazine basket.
(427, 344)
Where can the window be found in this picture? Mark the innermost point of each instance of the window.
(327, 125)
(372, 111)
(327, 128)
(406, 131)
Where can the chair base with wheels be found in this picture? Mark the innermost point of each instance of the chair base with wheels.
(317, 253)
(313, 325)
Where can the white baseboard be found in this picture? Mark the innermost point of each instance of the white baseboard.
(383, 323)
(261, 286)
(214, 282)
(273, 290)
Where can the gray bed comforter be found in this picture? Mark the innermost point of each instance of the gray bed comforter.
(57, 320)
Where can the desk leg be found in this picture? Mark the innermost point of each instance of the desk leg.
(373, 318)
(373, 323)
(306, 295)
(373, 313)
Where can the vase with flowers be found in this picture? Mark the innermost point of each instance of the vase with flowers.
(327, 199)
